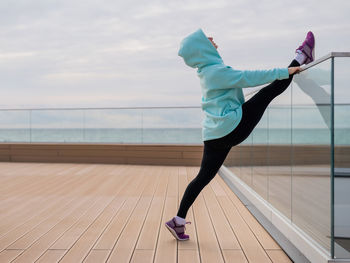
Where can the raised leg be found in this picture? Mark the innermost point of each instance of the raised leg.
(254, 108)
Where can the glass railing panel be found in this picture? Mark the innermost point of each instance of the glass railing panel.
(57, 125)
(260, 140)
(113, 125)
(15, 126)
(311, 155)
(280, 150)
(172, 125)
(341, 158)
(158, 125)
(247, 161)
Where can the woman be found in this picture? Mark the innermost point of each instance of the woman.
(228, 118)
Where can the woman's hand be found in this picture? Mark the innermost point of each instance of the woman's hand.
(293, 70)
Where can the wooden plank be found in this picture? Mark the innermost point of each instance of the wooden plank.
(20, 204)
(278, 256)
(163, 161)
(149, 232)
(69, 238)
(105, 153)
(38, 248)
(173, 182)
(50, 152)
(261, 234)
(48, 145)
(111, 235)
(234, 255)
(126, 231)
(4, 146)
(115, 228)
(9, 254)
(48, 238)
(65, 159)
(166, 250)
(5, 158)
(97, 255)
(190, 154)
(86, 241)
(250, 245)
(142, 256)
(5, 151)
(165, 147)
(208, 243)
(54, 208)
(216, 187)
(193, 155)
(123, 250)
(223, 231)
(188, 256)
(163, 180)
(52, 256)
(106, 146)
(46, 189)
(113, 153)
(17, 187)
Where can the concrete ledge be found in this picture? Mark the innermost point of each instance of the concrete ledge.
(258, 206)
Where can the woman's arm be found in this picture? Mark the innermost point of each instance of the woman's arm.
(253, 78)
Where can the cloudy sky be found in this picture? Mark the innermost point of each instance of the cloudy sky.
(104, 53)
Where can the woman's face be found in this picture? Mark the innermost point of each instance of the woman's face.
(212, 41)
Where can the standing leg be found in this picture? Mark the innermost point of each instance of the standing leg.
(212, 160)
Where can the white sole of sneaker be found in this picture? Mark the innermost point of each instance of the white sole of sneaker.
(172, 231)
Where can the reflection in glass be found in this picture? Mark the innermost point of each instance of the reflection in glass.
(247, 160)
(260, 157)
(341, 158)
(311, 155)
(280, 158)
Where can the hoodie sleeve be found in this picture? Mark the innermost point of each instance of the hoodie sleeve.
(252, 78)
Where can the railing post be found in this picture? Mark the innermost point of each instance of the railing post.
(332, 157)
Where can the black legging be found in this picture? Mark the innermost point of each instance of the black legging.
(216, 150)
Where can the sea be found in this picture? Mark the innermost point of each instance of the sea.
(317, 136)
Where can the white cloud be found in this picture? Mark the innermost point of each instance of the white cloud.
(70, 53)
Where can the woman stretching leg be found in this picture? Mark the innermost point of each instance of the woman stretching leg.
(216, 147)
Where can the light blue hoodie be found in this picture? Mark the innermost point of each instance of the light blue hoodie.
(222, 95)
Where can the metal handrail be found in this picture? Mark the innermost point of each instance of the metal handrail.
(315, 62)
(109, 108)
(321, 59)
(157, 107)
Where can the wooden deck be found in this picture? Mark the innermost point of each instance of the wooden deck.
(69, 212)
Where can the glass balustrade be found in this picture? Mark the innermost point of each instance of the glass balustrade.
(151, 125)
(298, 156)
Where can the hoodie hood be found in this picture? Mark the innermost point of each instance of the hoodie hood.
(197, 51)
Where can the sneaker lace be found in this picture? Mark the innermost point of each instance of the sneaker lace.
(180, 226)
(188, 222)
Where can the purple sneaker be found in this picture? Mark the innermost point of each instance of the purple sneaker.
(177, 230)
(308, 47)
